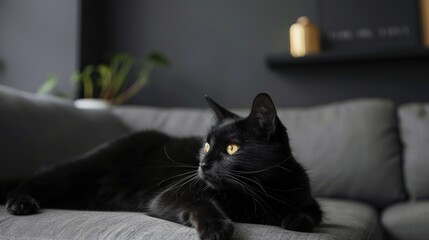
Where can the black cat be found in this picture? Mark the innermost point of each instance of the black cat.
(243, 171)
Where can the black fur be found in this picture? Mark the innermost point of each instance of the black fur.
(174, 179)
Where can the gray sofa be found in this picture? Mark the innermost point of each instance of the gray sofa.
(367, 159)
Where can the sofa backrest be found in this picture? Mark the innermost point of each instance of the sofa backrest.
(351, 149)
(174, 121)
(414, 129)
(36, 130)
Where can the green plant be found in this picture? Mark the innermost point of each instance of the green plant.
(106, 81)
(48, 87)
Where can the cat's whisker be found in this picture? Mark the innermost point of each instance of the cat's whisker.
(265, 169)
(242, 184)
(196, 179)
(175, 176)
(169, 158)
(284, 190)
(170, 187)
(173, 185)
(252, 194)
(172, 166)
(201, 190)
(257, 183)
(237, 184)
(255, 194)
(284, 201)
(177, 166)
(184, 183)
(272, 193)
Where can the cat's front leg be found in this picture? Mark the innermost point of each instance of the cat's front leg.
(209, 220)
(46, 189)
(205, 216)
(25, 199)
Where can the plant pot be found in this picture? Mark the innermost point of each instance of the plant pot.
(91, 103)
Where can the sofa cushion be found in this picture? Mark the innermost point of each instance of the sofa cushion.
(344, 220)
(351, 149)
(414, 129)
(36, 130)
(407, 221)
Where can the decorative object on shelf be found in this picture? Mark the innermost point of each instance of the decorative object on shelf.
(104, 84)
(368, 25)
(304, 38)
(424, 12)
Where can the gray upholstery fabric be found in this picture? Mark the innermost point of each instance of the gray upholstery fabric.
(344, 220)
(407, 221)
(36, 130)
(414, 128)
(174, 121)
(351, 149)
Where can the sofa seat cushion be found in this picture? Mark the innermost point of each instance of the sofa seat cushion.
(414, 128)
(407, 221)
(344, 220)
(351, 148)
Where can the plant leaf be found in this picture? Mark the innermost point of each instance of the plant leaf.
(105, 74)
(48, 85)
(157, 58)
(61, 94)
(75, 77)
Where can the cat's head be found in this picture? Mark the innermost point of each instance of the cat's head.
(236, 148)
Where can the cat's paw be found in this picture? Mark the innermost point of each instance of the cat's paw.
(221, 229)
(300, 222)
(22, 205)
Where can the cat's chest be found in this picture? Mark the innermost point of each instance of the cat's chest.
(247, 208)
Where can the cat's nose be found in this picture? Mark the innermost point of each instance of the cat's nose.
(204, 166)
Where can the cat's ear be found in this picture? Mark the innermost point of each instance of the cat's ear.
(264, 113)
(220, 112)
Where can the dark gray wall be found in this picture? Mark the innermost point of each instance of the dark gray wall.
(218, 47)
(38, 38)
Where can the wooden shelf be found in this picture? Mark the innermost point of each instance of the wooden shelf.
(283, 61)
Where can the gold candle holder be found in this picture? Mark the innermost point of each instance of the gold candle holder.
(424, 11)
(304, 38)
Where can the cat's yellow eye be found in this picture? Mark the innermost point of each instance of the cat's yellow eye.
(231, 148)
(206, 147)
